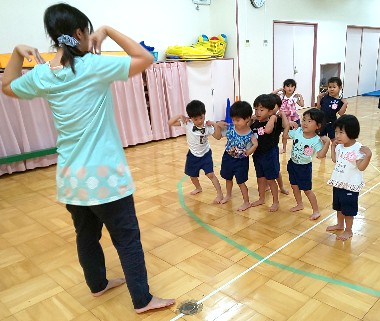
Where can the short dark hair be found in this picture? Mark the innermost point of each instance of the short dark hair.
(317, 115)
(350, 124)
(277, 99)
(265, 101)
(241, 109)
(195, 108)
(289, 82)
(335, 80)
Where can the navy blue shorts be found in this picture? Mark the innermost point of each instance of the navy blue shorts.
(267, 164)
(300, 175)
(345, 201)
(328, 130)
(194, 164)
(237, 167)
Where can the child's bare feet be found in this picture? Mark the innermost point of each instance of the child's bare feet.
(283, 190)
(258, 202)
(218, 199)
(314, 216)
(298, 207)
(156, 303)
(196, 191)
(335, 227)
(244, 206)
(225, 199)
(345, 236)
(274, 207)
(111, 284)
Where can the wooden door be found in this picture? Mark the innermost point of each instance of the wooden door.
(368, 61)
(294, 57)
(352, 63)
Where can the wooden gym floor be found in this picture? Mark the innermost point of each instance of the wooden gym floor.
(254, 265)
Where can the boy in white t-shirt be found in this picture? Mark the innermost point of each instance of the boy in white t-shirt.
(351, 159)
(199, 155)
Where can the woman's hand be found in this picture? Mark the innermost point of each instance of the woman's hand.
(27, 51)
(96, 39)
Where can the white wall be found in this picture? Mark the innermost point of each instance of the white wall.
(332, 17)
(161, 23)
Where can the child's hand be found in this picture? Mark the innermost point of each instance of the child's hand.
(184, 119)
(222, 124)
(298, 96)
(27, 51)
(366, 151)
(293, 125)
(325, 140)
(210, 123)
(322, 94)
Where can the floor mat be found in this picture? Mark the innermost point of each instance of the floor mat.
(373, 93)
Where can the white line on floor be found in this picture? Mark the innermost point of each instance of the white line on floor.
(270, 255)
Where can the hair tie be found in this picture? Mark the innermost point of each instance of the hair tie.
(68, 41)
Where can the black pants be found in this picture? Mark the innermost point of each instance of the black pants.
(119, 217)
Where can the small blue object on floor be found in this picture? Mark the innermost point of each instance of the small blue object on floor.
(375, 93)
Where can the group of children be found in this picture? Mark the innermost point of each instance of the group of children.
(258, 135)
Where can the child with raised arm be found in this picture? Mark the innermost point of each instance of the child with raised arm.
(267, 128)
(240, 144)
(93, 177)
(306, 143)
(351, 158)
(199, 155)
(289, 101)
(331, 103)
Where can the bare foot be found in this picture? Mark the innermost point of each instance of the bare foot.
(298, 207)
(244, 206)
(218, 199)
(111, 284)
(335, 227)
(257, 203)
(283, 190)
(314, 216)
(274, 207)
(196, 191)
(345, 236)
(156, 303)
(225, 199)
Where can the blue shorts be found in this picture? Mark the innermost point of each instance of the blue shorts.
(237, 167)
(328, 130)
(300, 175)
(194, 164)
(267, 164)
(345, 201)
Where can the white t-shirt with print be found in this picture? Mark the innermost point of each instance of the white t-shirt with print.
(198, 139)
(346, 174)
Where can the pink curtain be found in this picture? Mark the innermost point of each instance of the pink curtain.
(25, 126)
(131, 111)
(168, 95)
